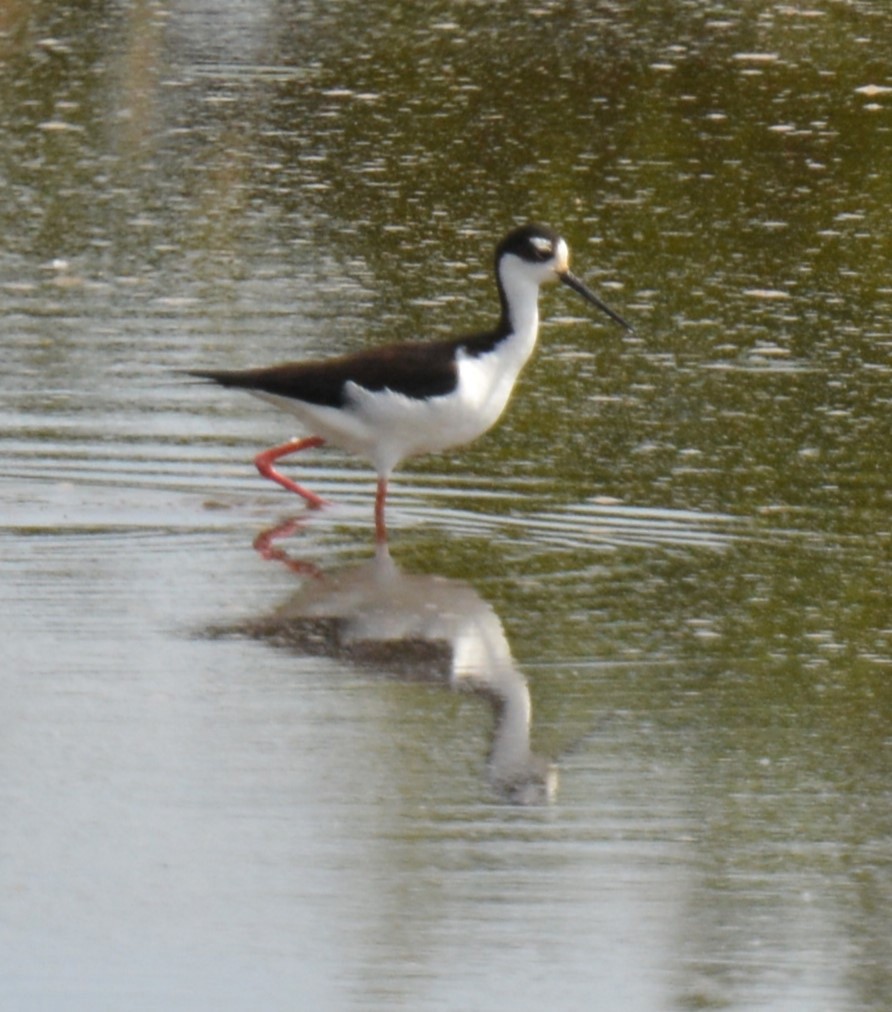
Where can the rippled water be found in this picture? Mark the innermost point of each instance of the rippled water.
(610, 725)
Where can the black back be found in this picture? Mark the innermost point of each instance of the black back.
(419, 369)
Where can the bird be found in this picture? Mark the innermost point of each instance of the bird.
(396, 401)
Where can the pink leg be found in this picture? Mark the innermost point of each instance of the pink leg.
(380, 526)
(264, 463)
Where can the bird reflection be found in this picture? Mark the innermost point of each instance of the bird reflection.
(415, 627)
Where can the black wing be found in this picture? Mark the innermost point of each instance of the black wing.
(415, 369)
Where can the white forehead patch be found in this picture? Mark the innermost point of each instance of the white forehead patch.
(542, 244)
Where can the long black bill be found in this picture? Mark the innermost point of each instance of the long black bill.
(571, 281)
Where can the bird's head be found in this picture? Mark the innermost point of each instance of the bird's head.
(537, 254)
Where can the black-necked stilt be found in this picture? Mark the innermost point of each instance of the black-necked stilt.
(402, 400)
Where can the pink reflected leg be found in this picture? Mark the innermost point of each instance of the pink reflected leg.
(380, 498)
(264, 463)
(265, 544)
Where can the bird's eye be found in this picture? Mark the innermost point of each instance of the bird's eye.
(542, 248)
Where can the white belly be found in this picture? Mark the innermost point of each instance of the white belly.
(385, 428)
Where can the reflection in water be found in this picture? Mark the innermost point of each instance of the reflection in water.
(415, 627)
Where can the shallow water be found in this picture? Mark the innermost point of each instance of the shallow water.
(610, 726)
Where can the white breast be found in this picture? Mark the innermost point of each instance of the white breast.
(385, 428)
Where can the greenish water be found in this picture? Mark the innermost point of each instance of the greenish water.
(615, 729)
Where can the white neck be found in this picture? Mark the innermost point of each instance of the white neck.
(521, 291)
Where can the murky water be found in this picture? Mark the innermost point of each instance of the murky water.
(611, 726)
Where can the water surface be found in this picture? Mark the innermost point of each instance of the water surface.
(611, 725)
